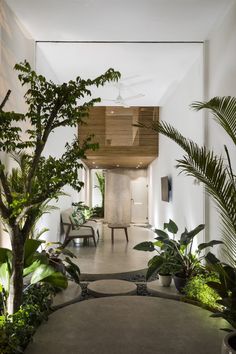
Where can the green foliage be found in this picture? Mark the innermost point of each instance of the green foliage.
(60, 259)
(37, 265)
(28, 188)
(198, 290)
(225, 288)
(214, 171)
(17, 330)
(101, 183)
(81, 213)
(98, 211)
(175, 255)
(101, 187)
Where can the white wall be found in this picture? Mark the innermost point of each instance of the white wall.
(186, 204)
(55, 147)
(220, 81)
(15, 46)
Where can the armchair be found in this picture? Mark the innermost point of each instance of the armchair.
(87, 230)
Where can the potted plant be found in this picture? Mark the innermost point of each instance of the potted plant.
(161, 264)
(226, 289)
(184, 262)
(165, 275)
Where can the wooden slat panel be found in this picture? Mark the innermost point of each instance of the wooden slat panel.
(120, 142)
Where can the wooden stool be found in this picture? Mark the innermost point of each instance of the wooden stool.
(118, 226)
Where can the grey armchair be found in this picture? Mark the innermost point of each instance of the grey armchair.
(87, 230)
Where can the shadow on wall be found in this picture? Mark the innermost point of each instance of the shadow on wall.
(16, 45)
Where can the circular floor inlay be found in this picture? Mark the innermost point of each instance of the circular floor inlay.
(111, 287)
(65, 297)
(129, 325)
(155, 288)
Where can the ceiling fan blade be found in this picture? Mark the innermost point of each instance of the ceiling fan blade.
(134, 97)
(108, 99)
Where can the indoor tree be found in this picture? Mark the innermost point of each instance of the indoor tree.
(49, 107)
(214, 171)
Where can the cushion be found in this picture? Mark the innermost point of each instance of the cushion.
(77, 218)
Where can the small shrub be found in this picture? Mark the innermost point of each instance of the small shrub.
(17, 330)
(198, 290)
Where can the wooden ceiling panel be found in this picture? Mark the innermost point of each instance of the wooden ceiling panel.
(120, 143)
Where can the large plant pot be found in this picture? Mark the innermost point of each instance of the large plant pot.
(229, 344)
(165, 280)
(180, 283)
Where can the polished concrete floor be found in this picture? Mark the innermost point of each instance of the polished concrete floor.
(111, 260)
(129, 325)
(126, 324)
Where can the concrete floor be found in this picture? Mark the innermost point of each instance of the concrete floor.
(109, 259)
(126, 324)
(129, 325)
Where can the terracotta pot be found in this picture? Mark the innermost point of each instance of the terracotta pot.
(229, 344)
(165, 279)
(180, 283)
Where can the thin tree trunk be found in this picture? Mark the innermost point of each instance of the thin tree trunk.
(16, 283)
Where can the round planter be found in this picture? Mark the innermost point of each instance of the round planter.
(165, 280)
(180, 283)
(229, 344)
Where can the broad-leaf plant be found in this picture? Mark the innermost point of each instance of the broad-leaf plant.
(176, 252)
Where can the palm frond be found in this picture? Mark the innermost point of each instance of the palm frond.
(224, 111)
(213, 171)
(208, 169)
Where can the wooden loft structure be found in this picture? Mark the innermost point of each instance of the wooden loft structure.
(120, 143)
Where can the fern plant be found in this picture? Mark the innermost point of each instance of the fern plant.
(214, 171)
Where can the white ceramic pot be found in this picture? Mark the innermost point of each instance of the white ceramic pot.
(165, 280)
(229, 344)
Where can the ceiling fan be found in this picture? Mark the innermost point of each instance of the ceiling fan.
(123, 100)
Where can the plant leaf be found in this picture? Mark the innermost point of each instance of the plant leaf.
(5, 276)
(154, 265)
(212, 243)
(212, 259)
(162, 234)
(57, 279)
(31, 247)
(171, 226)
(42, 272)
(145, 246)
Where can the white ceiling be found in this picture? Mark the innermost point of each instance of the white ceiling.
(153, 20)
(149, 69)
(155, 69)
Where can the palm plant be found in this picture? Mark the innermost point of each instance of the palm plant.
(214, 171)
(101, 187)
(17, 181)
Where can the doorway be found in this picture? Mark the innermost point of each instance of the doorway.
(126, 196)
(139, 198)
